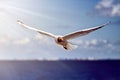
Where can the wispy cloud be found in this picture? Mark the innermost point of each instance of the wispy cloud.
(9, 40)
(40, 47)
(44, 41)
(108, 8)
(94, 45)
(23, 41)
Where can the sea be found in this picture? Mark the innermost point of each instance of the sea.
(59, 69)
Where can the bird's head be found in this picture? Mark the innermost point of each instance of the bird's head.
(60, 39)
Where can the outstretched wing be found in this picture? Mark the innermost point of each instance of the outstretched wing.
(39, 31)
(83, 32)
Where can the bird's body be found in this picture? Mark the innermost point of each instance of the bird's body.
(63, 40)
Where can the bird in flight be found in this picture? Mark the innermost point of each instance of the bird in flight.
(64, 40)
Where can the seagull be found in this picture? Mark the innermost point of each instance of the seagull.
(64, 40)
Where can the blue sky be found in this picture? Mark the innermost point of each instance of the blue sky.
(59, 17)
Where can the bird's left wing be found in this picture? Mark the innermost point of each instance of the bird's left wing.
(83, 32)
(39, 31)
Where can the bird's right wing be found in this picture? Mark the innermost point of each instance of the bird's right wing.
(82, 32)
(39, 31)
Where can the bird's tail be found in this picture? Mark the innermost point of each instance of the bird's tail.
(71, 46)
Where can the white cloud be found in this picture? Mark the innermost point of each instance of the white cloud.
(108, 8)
(9, 40)
(3, 40)
(94, 44)
(104, 4)
(40, 47)
(43, 39)
(38, 39)
(116, 10)
(22, 41)
(45, 42)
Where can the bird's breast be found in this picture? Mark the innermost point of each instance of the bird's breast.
(60, 41)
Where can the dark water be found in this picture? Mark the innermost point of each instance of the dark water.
(60, 70)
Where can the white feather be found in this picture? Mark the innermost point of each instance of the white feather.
(39, 31)
(71, 46)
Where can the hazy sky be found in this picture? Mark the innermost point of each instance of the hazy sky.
(59, 17)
